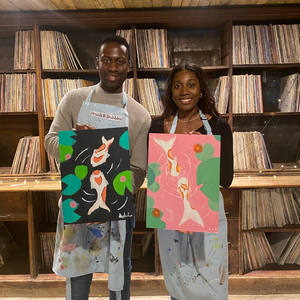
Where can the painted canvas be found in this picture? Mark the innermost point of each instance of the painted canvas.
(183, 182)
(95, 175)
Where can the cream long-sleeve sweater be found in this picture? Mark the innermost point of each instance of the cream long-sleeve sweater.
(139, 123)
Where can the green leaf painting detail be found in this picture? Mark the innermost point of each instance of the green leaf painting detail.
(124, 140)
(208, 174)
(150, 202)
(81, 171)
(154, 215)
(213, 205)
(69, 206)
(207, 152)
(65, 152)
(65, 137)
(73, 184)
(218, 138)
(153, 171)
(122, 181)
(65, 144)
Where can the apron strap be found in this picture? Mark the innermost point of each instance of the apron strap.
(203, 118)
(205, 123)
(174, 124)
(186, 243)
(89, 97)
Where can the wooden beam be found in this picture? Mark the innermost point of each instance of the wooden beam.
(39, 95)
(171, 18)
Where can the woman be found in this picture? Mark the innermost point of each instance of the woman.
(195, 265)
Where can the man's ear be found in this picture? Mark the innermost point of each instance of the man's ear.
(97, 63)
(128, 66)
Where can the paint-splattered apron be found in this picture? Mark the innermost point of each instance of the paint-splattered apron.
(196, 266)
(82, 249)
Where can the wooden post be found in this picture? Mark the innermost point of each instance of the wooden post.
(38, 65)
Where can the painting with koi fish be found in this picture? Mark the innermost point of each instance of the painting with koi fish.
(95, 175)
(183, 182)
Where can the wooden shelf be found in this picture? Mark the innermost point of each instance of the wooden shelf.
(19, 113)
(259, 282)
(145, 264)
(47, 228)
(51, 182)
(265, 181)
(4, 171)
(268, 66)
(166, 71)
(140, 228)
(14, 186)
(70, 72)
(285, 228)
(17, 71)
(18, 264)
(267, 114)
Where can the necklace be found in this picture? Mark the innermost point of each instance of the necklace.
(188, 120)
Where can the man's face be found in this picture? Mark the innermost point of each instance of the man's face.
(113, 65)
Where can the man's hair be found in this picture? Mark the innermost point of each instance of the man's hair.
(114, 39)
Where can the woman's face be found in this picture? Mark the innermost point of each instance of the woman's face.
(186, 90)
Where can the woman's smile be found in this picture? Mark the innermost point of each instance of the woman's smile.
(186, 91)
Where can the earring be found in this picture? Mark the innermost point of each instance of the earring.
(200, 96)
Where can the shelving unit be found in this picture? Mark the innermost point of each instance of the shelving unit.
(210, 32)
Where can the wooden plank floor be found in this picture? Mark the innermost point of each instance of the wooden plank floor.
(50, 285)
(231, 297)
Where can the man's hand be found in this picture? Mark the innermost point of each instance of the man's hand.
(84, 127)
(95, 223)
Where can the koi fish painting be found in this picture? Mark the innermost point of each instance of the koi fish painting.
(183, 182)
(172, 162)
(95, 175)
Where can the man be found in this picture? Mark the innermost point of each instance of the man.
(84, 249)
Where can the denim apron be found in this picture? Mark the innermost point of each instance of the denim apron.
(82, 249)
(195, 266)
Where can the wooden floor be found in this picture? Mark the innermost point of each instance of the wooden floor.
(231, 297)
(256, 283)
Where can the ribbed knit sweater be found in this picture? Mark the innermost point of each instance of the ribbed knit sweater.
(139, 123)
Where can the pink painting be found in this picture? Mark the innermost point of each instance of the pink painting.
(183, 182)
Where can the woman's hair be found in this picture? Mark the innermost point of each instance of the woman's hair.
(206, 102)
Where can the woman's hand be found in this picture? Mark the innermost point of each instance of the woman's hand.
(84, 127)
(192, 132)
(184, 231)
